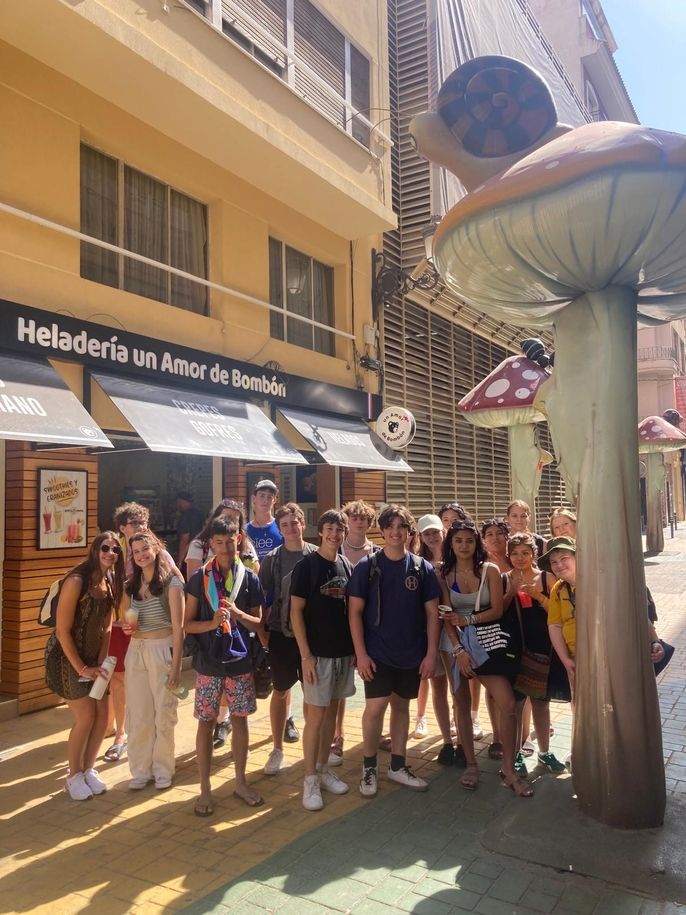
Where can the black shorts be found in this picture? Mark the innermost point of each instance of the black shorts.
(387, 680)
(284, 660)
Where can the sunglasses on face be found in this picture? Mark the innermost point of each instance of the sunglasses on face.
(105, 548)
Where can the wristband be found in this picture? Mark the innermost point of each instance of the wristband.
(458, 649)
(85, 667)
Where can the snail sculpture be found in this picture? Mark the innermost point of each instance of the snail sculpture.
(583, 229)
(491, 111)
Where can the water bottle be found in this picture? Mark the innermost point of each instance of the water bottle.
(180, 691)
(100, 683)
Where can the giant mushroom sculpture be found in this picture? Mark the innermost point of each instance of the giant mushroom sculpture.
(656, 437)
(588, 233)
(506, 398)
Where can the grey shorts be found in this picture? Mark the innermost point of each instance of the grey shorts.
(335, 680)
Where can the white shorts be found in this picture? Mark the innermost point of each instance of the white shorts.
(335, 680)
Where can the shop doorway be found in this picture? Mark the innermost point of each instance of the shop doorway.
(133, 473)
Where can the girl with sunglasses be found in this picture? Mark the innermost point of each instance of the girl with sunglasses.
(473, 588)
(75, 651)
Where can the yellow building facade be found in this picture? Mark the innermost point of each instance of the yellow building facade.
(244, 143)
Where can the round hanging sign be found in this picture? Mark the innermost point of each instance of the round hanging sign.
(396, 427)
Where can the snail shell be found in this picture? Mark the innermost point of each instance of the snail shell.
(496, 106)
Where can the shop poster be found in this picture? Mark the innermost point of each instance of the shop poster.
(62, 509)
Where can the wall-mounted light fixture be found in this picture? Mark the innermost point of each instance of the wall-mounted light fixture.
(389, 281)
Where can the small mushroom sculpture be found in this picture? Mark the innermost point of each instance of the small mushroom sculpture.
(656, 437)
(586, 232)
(506, 398)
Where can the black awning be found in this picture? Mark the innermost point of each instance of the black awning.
(37, 406)
(345, 442)
(188, 422)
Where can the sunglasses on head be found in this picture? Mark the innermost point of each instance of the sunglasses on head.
(462, 526)
(105, 548)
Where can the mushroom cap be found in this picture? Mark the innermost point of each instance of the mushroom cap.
(506, 396)
(602, 205)
(655, 434)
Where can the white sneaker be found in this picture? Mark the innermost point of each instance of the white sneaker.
(408, 779)
(312, 795)
(162, 782)
(96, 784)
(420, 729)
(330, 782)
(77, 788)
(274, 762)
(368, 783)
(477, 729)
(334, 760)
(137, 784)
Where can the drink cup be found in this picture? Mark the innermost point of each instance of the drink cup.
(131, 617)
(58, 520)
(524, 599)
(101, 681)
(47, 520)
(180, 691)
(444, 610)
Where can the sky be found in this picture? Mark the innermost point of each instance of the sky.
(651, 35)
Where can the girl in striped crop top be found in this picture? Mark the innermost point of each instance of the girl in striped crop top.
(153, 662)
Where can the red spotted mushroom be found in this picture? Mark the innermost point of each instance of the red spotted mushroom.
(506, 398)
(656, 437)
(588, 233)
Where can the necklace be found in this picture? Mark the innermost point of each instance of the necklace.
(350, 546)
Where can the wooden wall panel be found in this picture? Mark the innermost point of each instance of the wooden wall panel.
(29, 572)
(369, 485)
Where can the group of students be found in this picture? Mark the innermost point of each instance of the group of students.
(441, 602)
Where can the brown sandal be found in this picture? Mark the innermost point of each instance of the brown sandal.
(520, 788)
(495, 750)
(470, 778)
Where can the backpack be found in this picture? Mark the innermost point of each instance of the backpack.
(47, 613)
(282, 590)
(374, 578)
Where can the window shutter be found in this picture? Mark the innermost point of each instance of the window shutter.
(321, 46)
(243, 15)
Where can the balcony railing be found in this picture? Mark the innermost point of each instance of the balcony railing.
(656, 353)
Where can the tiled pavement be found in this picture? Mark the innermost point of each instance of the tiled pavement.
(401, 852)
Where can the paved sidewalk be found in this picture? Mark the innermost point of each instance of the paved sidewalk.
(148, 853)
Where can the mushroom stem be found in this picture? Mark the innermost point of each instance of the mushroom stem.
(592, 407)
(655, 484)
(525, 457)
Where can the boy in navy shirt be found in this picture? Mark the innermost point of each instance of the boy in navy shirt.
(393, 608)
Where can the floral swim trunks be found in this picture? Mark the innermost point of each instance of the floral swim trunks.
(239, 692)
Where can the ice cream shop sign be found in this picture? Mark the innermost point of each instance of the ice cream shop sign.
(62, 508)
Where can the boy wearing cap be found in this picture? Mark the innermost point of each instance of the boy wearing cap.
(560, 559)
(263, 529)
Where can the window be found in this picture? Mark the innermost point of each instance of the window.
(127, 208)
(325, 68)
(300, 285)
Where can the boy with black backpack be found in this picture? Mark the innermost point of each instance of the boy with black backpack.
(275, 577)
(393, 606)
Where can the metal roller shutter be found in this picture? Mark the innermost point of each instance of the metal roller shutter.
(322, 47)
(270, 15)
